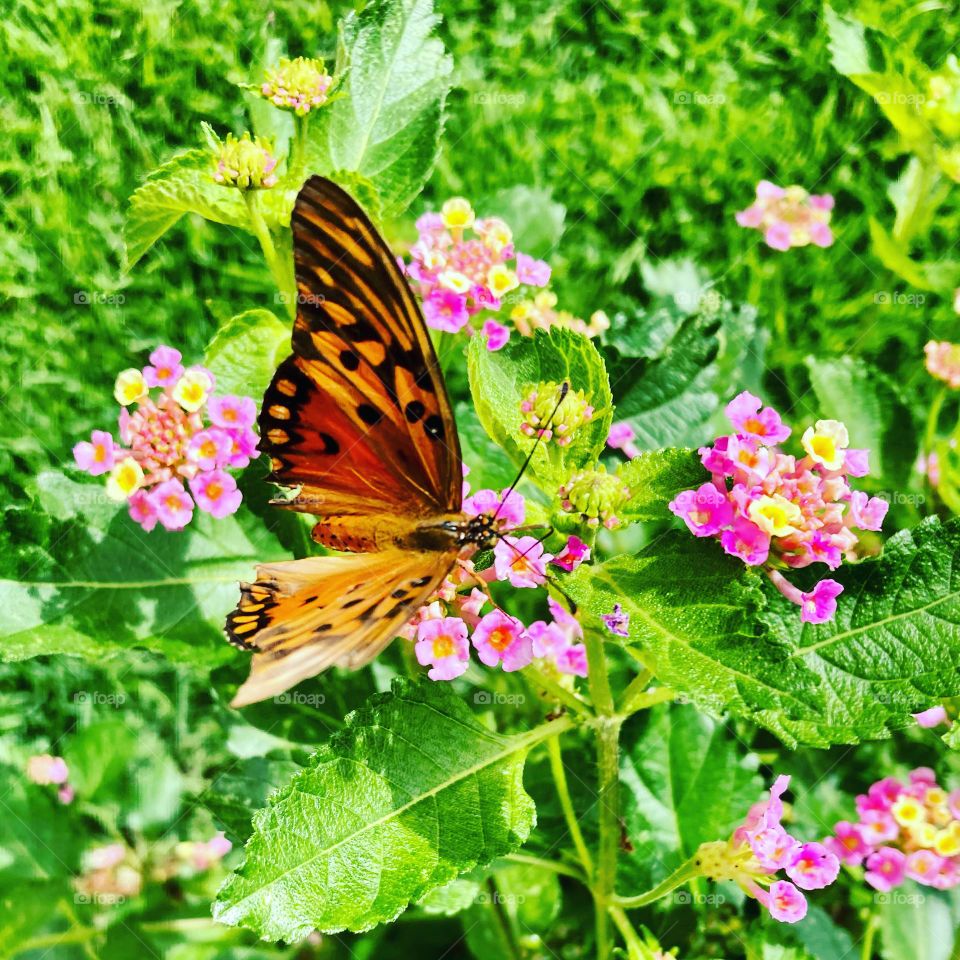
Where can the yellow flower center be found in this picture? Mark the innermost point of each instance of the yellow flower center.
(214, 490)
(824, 447)
(443, 646)
(500, 638)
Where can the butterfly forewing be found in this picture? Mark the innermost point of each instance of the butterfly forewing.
(360, 339)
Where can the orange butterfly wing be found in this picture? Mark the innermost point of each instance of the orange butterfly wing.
(359, 419)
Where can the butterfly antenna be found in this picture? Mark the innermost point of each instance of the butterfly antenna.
(564, 390)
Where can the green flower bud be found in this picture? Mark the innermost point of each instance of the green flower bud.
(299, 85)
(573, 411)
(245, 163)
(596, 495)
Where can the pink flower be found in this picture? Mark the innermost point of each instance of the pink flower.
(97, 456)
(143, 510)
(573, 661)
(848, 843)
(867, 513)
(555, 642)
(789, 217)
(778, 236)
(856, 463)
(877, 826)
(45, 769)
(210, 448)
(508, 506)
(813, 867)
(216, 493)
(774, 848)
(173, 504)
(232, 413)
(500, 638)
(445, 310)
(617, 622)
(243, 448)
(744, 412)
(923, 866)
(105, 857)
(535, 273)
(705, 511)
(784, 901)
(66, 794)
(442, 643)
(574, 552)
(622, 437)
(496, 333)
(932, 717)
(746, 541)
(943, 362)
(885, 869)
(820, 605)
(521, 561)
(165, 367)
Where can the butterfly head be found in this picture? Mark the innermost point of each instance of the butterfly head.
(479, 531)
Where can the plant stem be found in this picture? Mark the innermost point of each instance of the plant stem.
(563, 792)
(869, 933)
(261, 231)
(298, 152)
(554, 866)
(685, 872)
(933, 419)
(537, 680)
(635, 947)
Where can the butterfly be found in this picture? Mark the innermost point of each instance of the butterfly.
(358, 420)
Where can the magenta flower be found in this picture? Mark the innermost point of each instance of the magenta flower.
(173, 504)
(820, 605)
(867, 513)
(749, 420)
(774, 848)
(143, 509)
(705, 511)
(885, 869)
(848, 843)
(574, 552)
(813, 867)
(784, 901)
(622, 437)
(496, 333)
(932, 717)
(508, 506)
(442, 643)
(97, 455)
(617, 622)
(878, 826)
(746, 541)
(165, 367)
(522, 561)
(536, 273)
(500, 638)
(216, 493)
(557, 641)
(924, 866)
(243, 448)
(232, 413)
(789, 216)
(210, 448)
(446, 310)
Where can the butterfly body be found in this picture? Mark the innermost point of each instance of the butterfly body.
(359, 428)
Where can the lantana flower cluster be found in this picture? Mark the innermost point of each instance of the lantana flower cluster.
(778, 512)
(760, 850)
(943, 362)
(453, 620)
(247, 163)
(299, 85)
(47, 770)
(540, 313)
(550, 415)
(462, 264)
(177, 441)
(789, 216)
(905, 830)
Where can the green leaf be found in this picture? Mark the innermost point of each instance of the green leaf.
(91, 583)
(452, 898)
(413, 792)
(892, 650)
(655, 478)
(876, 417)
(862, 54)
(184, 184)
(535, 218)
(387, 126)
(685, 781)
(246, 350)
(500, 380)
(915, 923)
(940, 276)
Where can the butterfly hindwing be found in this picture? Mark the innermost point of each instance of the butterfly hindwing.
(361, 404)
(303, 616)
